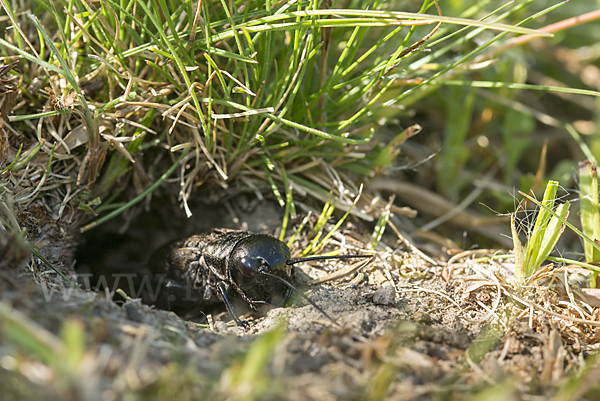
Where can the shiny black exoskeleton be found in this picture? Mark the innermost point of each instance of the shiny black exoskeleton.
(204, 270)
(207, 269)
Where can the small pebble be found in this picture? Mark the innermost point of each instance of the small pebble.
(386, 295)
(221, 326)
(134, 312)
(422, 317)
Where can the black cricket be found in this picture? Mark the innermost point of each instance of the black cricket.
(208, 269)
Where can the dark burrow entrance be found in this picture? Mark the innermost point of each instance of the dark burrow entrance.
(116, 255)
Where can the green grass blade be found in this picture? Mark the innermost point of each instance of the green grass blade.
(513, 85)
(536, 235)
(552, 234)
(32, 58)
(66, 72)
(589, 212)
(571, 226)
(367, 18)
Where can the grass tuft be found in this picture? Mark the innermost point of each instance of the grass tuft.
(542, 239)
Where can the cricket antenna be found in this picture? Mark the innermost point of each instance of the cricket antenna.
(293, 262)
(317, 307)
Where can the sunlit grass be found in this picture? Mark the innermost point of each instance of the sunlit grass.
(542, 238)
(242, 83)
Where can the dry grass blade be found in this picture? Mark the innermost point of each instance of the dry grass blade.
(6, 84)
(552, 28)
(433, 204)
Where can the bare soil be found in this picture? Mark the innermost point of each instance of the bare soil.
(401, 332)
